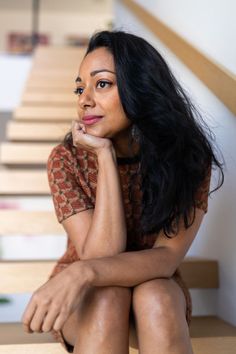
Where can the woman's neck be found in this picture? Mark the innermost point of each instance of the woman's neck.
(123, 146)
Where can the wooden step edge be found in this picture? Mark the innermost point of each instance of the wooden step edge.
(29, 222)
(45, 112)
(211, 326)
(36, 131)
(19, 277)
(45, 119)
(24, 276)
(205, 327)
(13, 153)
(29, 182)
(204, 273)
(206, 345)
(43, 97)
(39, 348)
(200, 346)
(216, 345)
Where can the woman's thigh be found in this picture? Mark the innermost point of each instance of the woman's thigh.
(109, 306)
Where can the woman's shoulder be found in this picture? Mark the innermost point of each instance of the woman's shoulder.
(59, 157)
(77, 158)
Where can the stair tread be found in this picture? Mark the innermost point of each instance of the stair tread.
(25, 153)
(218, 345)
(21, 276)
(203, 327)
(211, 326)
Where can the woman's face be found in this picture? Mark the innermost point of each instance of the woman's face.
(99, 105)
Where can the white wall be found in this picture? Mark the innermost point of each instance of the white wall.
(14, 71)
(209, 25)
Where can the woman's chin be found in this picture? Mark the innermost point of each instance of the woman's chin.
(96, 132)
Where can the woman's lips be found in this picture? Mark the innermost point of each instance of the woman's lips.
(88, 120)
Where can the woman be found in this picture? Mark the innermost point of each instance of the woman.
(130, 186)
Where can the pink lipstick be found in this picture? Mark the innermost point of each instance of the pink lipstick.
(91, 119)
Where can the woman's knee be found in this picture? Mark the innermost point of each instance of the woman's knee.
(159, 308)
(102, 310)
(110, 302)
(159, 300)
(111, 295)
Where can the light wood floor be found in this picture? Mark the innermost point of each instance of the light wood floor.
(219, 345)
(207, 326)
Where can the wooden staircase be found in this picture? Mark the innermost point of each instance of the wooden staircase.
(41, 120)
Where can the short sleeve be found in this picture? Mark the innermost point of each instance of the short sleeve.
(68, 195)
(201, 196)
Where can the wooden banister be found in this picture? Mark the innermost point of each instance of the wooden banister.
(217, 78)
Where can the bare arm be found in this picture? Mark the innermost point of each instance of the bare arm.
(125, 269)
(131, 268)
(107, 232)
(101, 232)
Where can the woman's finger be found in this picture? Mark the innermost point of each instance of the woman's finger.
(49, 320)
(60, 320)
(88, 141)
(28, 315)
(38, 319)
(77, 126)
(77, 129)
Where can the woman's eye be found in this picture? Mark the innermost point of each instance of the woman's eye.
(78, 91)
(102, 84)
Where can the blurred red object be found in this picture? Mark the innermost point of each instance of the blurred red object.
(9, 205)
(22, 43)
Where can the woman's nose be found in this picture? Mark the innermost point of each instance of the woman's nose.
(86, 99)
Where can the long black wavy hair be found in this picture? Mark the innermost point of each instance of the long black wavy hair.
(176, 146)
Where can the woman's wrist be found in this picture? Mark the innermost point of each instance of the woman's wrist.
(84, 270)
(104, 153)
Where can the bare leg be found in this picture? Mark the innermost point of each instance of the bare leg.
(101, 323)
(159, 309)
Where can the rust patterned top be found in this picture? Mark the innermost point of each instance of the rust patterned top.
(73, 180)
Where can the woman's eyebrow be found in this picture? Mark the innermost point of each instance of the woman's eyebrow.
(95, 72)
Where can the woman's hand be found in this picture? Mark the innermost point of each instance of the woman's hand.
(88, 141)
(53, 302)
